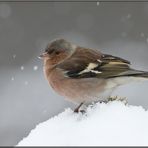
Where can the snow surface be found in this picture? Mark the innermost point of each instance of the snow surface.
(112, 124)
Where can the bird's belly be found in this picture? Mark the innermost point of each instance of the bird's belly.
(86, 92)
(79, 90)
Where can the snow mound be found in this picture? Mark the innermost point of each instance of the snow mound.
(112, 124)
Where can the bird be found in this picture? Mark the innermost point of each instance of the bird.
(85, 75)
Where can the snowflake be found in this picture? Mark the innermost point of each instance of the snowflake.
(14, 56)
(12, 79)
(129, 16)
(35, 68)
(22, 67)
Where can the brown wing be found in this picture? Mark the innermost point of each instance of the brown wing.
(87, 63)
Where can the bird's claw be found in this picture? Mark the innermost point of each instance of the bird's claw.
(117, 98)
(80, 111)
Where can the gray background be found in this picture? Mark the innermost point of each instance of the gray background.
(118, 28)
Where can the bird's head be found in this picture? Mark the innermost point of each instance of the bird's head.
(57, 50)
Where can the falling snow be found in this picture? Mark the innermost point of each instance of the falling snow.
(35, 68)
(22, 67)
(12, 79)
(14, 56)
(129, 16)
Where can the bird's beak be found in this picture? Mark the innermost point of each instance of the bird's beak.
(43, 55)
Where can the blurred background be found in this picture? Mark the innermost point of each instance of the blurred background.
(117, 28)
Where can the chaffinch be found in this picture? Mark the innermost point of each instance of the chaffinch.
(84, 75)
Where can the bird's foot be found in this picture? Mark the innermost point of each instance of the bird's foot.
(117, 98)
(77, 110)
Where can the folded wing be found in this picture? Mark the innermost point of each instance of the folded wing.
(88, 63)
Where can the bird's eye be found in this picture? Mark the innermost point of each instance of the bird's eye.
(57, 52)
(51, 51)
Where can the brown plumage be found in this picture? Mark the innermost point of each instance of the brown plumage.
(83, 75)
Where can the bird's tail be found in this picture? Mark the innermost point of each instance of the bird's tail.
(142, 75)
(136, 73)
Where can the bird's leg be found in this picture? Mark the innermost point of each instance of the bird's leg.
(77, 109)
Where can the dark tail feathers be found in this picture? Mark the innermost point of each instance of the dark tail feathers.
(142, 75)
(133, 73)
(136, 73)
